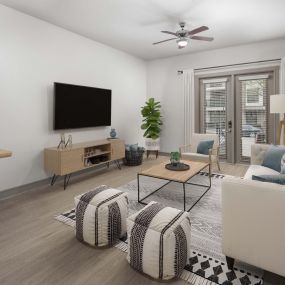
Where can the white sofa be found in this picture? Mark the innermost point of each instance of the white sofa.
(253, 216)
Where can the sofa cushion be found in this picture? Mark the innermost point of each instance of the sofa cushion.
(258, 151)
(204, 146)
(259, 170)
(279, 178)
(272, 157)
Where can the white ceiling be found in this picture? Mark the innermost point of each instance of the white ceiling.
(132, 25)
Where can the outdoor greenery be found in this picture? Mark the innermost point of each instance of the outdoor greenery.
(151, 119)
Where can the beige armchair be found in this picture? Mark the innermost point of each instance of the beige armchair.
(190, 151)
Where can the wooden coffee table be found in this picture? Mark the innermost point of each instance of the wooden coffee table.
(159, 171)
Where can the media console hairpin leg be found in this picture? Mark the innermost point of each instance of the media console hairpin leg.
(53, 179)
(67, 176)
(117, 162)
(65, 181)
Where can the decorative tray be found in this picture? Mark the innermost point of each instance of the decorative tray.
(177, 167)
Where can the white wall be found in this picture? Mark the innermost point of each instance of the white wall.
(34, 54)
(165, 85)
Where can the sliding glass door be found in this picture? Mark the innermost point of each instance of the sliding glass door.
(236, 107)
(215, 94)
(252, 114)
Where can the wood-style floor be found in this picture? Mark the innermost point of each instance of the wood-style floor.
(36, 249)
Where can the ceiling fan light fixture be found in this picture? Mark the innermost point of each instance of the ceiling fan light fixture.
(182, 42)
(183, 36)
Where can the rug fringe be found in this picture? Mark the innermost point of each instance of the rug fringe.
(65, 220)
(195, 279)
(122, 246)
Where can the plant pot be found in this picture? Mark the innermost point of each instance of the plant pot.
(174, 162)
(151, 144)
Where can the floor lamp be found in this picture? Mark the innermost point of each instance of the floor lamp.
(277, 106)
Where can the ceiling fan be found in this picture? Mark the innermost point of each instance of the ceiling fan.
(182, 36)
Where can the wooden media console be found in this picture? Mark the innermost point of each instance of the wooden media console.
(64, 162)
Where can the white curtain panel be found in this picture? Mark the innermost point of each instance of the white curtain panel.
(188, 95)
(282, 76)
(282, 91)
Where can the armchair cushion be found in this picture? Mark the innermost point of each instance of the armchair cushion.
(279, 178)
(198, 157)
(195, 156)
(257, 153)
(273, 156)
(204, 146)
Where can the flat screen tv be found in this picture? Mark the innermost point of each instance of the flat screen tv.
(81, 106)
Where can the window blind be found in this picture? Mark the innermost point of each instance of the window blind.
(253, 113)
(214, 110)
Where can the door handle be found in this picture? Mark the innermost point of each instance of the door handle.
(230, 125)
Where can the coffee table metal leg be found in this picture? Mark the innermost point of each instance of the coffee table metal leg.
(184, 196)
(141, 200)
(138, 178)
(210, 174)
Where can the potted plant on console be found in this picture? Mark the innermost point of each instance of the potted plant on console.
(152, 125)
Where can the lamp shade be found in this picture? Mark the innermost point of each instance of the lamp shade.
(277, 103)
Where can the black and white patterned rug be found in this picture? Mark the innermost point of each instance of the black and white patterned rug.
(207, 264)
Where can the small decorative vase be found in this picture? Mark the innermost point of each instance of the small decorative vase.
(69, 141)
(61, 144)
(113, 133)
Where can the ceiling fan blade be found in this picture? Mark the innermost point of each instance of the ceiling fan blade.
(208, 39)
(198, 30)
(164, 41)
(170, 33)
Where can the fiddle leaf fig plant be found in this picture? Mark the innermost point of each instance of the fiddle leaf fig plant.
(151, 119)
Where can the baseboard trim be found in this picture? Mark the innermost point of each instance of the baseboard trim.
(8, 193)
(162, 153)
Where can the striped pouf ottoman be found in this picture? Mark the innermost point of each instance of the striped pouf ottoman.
(101, 216)
(159, 241)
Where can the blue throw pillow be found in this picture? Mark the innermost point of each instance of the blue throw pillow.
(140, 149)
(279, 178)
(272, 157)
(131, 147)
(204, 146)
